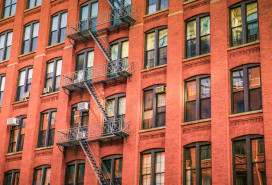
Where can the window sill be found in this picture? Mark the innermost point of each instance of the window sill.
(243, 45)
(7, 18)
(194, 122)
(196, 57)
(14, 153)
(3, 61)
(27, 10)
(49, 94)
(43, 148)
(157, 12)
(54, 45)
(153, 68)
(188, 2)
(245, 113)
(26, 54)
(21, 101)
(152, 129)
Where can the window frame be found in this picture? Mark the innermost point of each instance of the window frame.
(119, 42)
(116, 98)
(90, 18)
(154, 105)
(13, 173)
(10, 8)
(59, 15)
(80, 116)
(18, 139)
(31, 24)
(25, 80)
(244, 22)
(153, 163)
(75, 163)
(198, 40)
(28, 4)
(43, 169)
(156, 47)
(112, 172)
(4, 57)
(198, 168)
(54, 61)
(48, 129)
(244, 68)
(158, 3)
(2, 92)
(198, 99)
(85, 52)
(247, 139)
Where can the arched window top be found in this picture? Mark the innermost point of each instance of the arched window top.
(78, 161)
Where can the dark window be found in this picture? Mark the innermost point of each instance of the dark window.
(30, 37)
(58, 28)
(84, 65)
(198, 36)
(5, 45)
(2, 86)
(88, 15)
(24, 83)
(75, 173)
(152, 167)
(33, 3)
(52, 76)
(112, 169)
(156, 5)
(198, 98)
(126, 4)
(47, 128)
(42, 175)
(9, 8)
(154, 107)
(79, 118)
(119, 56)
(12, 177)
(246, 88)
(156, 47)
(198, 164)
(244, 25)
(248, 163)
(17, 136)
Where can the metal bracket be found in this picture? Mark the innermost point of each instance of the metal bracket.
(75, 148)
(81, 92)
(70, 95)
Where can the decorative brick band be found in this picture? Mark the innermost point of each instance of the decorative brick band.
(152, 136)
(258, 119)
(244, 52)
(20, 106)
(33, 12)
(155, 73)
(44, 153)
(14, 159)
(156, 18)
(196, 5)
(49, 99)
(196, 128)
(10, 20)
(55, 3)
(195, 63)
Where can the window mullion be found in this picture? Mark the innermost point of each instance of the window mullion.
(54, 75)
(156, 53)
(246, 89)
(153, 168)
(197, 99)
(244, 24)
(197, 36)
(248, 161)
(198, 182)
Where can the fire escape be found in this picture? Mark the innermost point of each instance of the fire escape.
(90, 77)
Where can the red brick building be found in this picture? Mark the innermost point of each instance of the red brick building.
(135, 92)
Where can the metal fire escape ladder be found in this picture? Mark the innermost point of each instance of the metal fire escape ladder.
(91, 158)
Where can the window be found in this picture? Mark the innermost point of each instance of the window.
(112, 169)
(119, 56)
(156, 5)
(52, 76)
(30, 37)
(88, 15)
(84, 65)
(24, 83)
(2, 86)
(152, 167)
(9, 8)
(5, 45)
(248, 160)
(117, 4)
(156, 48)
(246, 88)
(198, 36)
(42, 175)
(75, 173)
(17, 136)
(47, 128)
(33, 3)
(244, 23)
(116, 106)
(198, 98)
(198, 164)
(154, 107)
(58, 28)
(12, 177)
(79, 118)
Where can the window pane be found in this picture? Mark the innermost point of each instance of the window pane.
(163, 38)
(148, 100)
(252, 12)
(34, 44)
(191, 48)
(2, 41)
(164, 4)
(237, 81)
(190, 157)
(110, 105)
(80, 173)
(58, 70)
(31, 3)
(241, 174)
(8, 178)
(150, 41)
(252, 21)
(7, 3)
(22, 78)
(27, 33)
(255, 98)
(237, 36)
(125, 48)
(191, 90)
(25, 47)
(146, 180)
(47, 176)
(204, 26)
(191, 111)
(161, 108)
(70, 174)
(205, 45)
(236, 17)
(150, 58)
(9, 39)
(160, 162)
(75, 117)
(238, 102)
(254, 77)
(13, 9)
(191, 30)
(252, 32)
(206, 176)
(259, 175)
(62, 34)
(17, 177)
(118, 169)
(80, 62)
(30, 72)
(239, 152)
(38, 2)
(63, 22)
(38, 177)
(163, 56)
(84, 12)
(106, 168)
(205, 108)
(94, 9)
(205, 87)
(50, 68)
(6, 12)
(55, 23)
(152, 6)
(257, 150)
(122, 106)
(146, 164)
(3, 80)
(205, 156)
(35, 30)
(114, 52)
